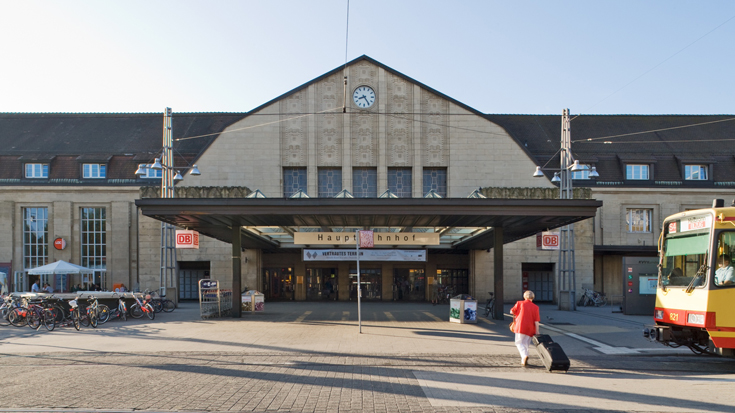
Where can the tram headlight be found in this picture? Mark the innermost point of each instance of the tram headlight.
(695, 319)
(658, 315)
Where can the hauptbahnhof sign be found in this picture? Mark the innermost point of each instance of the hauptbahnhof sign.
(379, 238)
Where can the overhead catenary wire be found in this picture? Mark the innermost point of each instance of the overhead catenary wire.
(654, 67)
(658, 130)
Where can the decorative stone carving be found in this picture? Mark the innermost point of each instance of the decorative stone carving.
(198, 192)
(533, 193)
(399, 105)
(293, 127)
(434, 132)
(330, 93)
(364, 125)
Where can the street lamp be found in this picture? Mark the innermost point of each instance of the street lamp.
(567, 164)
(169, 175)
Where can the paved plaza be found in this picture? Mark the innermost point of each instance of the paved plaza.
(311, 357)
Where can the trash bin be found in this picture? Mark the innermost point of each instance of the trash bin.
(463, 309)
(253, 301)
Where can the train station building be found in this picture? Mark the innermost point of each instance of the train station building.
(444, 186)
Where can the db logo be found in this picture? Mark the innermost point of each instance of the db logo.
(187, 239)
(551, 240)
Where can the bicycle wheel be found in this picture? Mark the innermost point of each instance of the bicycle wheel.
(168, 306)
(59, 313)
(75, 319)
(103, 312)
(136, 311)
(34, 319)
(151, 313)
(17, 317)
(49, 318)
(4, 313)
(157, 305)
(83, 318)
(93, 319)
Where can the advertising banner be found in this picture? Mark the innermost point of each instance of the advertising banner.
(365, 255)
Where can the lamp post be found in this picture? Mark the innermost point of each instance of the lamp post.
(169, 175)
(567, 165)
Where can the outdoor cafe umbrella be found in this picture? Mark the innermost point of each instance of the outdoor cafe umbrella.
(60, 267)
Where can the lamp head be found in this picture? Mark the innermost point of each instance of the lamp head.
(157, 164)
(576, 167)
(141, 170)
(178, 177)
(194, 171)
(556, 177)
(538, 173)
(593, 172)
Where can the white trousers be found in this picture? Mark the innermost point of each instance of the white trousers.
(522, 342)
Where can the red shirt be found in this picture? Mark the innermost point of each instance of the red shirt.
(526, 314)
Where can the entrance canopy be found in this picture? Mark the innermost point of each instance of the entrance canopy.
(463, 223)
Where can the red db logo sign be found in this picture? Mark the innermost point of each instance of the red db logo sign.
(187, 239)
(547, 241)
(59, 243)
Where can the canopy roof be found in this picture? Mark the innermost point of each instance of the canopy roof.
(60, 267)
(463, 223)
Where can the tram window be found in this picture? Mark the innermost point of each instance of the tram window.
(724, 275)
(683, 259)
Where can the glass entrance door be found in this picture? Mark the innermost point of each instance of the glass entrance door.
(321, 284)
(409, 284)
(278, 283)
(371, 284)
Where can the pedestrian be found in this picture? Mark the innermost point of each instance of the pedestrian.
(47, 289)
(36, 287)
(435, 291)
(526, 324)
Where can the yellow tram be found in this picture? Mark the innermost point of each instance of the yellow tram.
(695, 296)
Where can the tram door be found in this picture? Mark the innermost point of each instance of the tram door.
(409, 284)
(371, 284)
(321, 284)
(278, 283)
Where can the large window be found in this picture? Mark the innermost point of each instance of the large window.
(636, 172)
(330, 182)
(436, 179)
(399, 182)
(695, 172)
(293, 180)
(639, 219)
(94, 170)
(36, 170)
(35, 237)
(364, 182)
(94, 238)
(684, 260)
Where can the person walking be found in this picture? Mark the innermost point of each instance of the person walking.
(526, 323)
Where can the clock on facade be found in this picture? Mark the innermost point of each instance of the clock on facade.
(364, 97)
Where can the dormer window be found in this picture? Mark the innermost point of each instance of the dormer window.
(150, 173)
(637, 172)
(36, 170)
(583, 174)
(94, 170)
(695, 172)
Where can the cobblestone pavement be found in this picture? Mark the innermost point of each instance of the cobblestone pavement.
(298, 376)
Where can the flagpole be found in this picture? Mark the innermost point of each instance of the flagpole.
(359, 292)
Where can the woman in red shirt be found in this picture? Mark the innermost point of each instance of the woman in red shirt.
(526, 322)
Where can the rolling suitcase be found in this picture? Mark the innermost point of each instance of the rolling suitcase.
(552, 355)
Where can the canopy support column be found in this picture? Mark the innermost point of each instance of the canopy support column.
(236, 272)
(498, 273)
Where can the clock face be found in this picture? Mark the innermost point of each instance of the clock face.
(364, 97)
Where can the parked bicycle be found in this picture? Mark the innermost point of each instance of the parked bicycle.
(107, 314)
(592, 298)
(142, 307)
(490, 306)
(75, 314)
(160, 302)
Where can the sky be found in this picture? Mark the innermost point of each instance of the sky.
(502, 57)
